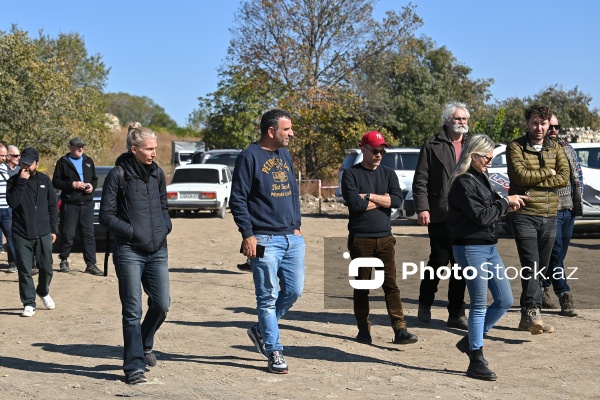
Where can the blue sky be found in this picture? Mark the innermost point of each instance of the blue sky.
(170, 51)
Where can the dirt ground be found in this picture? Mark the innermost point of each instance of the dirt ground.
(74, 351)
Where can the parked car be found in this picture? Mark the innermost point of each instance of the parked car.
(199, 187)
(224, 156)
(402, 159)
(99, 231)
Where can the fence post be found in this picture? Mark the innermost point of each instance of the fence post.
(319, 197)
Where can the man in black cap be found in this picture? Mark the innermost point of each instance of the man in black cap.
(29, 193)
(75, 177)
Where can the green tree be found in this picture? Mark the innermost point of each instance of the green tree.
(42, 104)
(572, 107)
(142, 109)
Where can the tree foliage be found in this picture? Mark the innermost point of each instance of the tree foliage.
(142, 109)
(50, 90)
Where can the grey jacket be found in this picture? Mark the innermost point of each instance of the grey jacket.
(431, 183)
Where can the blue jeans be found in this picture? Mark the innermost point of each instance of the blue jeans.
(136, 269)
(6, 226)
(565, 221)
(490, 274)
(278, 283)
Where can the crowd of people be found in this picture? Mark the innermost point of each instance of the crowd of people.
(453, 198)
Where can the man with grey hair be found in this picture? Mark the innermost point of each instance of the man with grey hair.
(431, 184)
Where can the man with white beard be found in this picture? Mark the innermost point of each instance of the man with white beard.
(437, 161)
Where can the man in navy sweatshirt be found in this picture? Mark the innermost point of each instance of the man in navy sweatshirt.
(370, 191)
(265, 203)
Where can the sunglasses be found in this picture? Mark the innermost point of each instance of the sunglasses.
(377, 152)
(487, 159)
(15, 155)
(555, 127)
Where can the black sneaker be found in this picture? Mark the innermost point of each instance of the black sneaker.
(245, 267)
(92, 269)
(64, 266)
(364, 336)
(137, 377)
(12, 267)
(402, 336)
(257, 339)
(150, 358)
(277, 363)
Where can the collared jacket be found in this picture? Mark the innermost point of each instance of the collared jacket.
(34, 205)
(474, 208)
(65, 174)
(135, 210)
(530, 174)
(431, 183)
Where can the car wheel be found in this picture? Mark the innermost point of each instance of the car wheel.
(221, 212)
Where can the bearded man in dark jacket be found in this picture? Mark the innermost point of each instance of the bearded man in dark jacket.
(431, 185)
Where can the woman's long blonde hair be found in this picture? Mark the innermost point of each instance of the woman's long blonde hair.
(478, 144)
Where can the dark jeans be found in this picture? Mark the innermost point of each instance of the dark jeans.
(534, 237)
(382, 248)
(25, 251)
(136, 269)
(6, 226)
(441, 254)
(565, 221)
(71, 217)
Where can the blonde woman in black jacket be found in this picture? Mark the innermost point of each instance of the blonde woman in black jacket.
(474, 208)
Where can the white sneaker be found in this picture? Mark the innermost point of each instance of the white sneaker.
(28, 311)
(48, 302)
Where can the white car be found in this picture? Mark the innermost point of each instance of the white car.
(198, 187)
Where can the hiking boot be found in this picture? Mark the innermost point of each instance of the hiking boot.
(478, 367)
(34, 271)
(64, 267)
(137, 377)
(547, 301)
(12, 268)
(48, 302)
(424, 313)
(150, 358)
(255, 336)
(463, 346)
(28, 311)
(402, 336)
(567, 308)
(534, 319)
(364, 336)
(277, 364)
(459, 321)
(245, 267)
(524, 324)
(92, 269)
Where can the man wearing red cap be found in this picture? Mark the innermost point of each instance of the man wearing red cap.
(431, 184)
(370, 191)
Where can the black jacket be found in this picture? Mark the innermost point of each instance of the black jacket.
(33, 204)
(65, 174)
(431, 182)
(139, 217)
(474, 208)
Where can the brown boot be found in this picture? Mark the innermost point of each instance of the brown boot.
(567, 308)
(547, 302)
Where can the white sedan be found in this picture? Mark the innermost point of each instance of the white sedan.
(197, 187)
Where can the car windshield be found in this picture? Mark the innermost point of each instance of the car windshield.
(227, 159)
(589, 158)
(196, 176)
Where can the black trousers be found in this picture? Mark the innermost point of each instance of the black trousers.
(25, 251)
(534, 237)
(73, 216)
(441, 254)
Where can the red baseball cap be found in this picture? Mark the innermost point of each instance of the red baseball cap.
(373, 139)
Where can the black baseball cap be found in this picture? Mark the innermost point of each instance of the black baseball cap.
(29, 156)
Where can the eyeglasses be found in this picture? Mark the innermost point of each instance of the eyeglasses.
(555, 127)
(376, 152)
(487, 159)
(15, 155)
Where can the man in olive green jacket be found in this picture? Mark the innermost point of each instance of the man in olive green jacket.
(537, 167)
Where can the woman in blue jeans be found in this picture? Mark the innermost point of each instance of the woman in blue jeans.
(474, 208)
(134, 209)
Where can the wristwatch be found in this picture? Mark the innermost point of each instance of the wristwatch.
(368, 196)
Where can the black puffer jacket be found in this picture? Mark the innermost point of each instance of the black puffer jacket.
(139, 217)
(431, 182)
(474, 208)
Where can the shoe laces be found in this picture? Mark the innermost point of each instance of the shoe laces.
(278, 358)
(533, 313)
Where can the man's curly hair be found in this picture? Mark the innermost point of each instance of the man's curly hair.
(538, 110)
